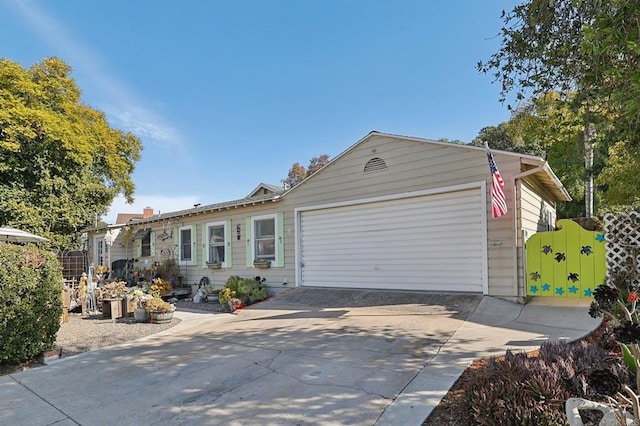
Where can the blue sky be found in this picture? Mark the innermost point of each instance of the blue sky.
(227, 94)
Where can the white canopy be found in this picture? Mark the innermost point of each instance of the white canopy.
(13, 235)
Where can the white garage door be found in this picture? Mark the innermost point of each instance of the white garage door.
(431, 242)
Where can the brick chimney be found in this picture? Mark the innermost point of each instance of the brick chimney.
(147, 212)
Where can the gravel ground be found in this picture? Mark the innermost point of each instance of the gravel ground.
(82, 334)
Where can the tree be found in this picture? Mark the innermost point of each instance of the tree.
(298, 173)
(552, 130)
(498, 137)
(61, 164)
(587, 48)
(588, 53)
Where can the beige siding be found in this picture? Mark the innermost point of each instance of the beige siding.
(192, 274)
(411, 166)
(537, 213)
(416, 166)
(501, 232)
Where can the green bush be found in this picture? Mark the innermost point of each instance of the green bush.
(518, 389)
(248, 290)
(30, 302)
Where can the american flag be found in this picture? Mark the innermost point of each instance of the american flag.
(498, 200)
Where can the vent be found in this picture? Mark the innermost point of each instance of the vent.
(374, 165)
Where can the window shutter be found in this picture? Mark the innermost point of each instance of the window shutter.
(176, 244)
(194, 245)
(228, 234)
(249, 236)
(280, 239)
(205, 245)
(137, 245)
(152, 235)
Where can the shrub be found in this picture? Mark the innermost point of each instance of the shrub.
(531, 390)
(156, 304)
(248, 290)
(160, 287)
(30, 302)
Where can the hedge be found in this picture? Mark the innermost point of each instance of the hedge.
(30, 302)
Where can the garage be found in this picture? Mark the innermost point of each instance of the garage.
(429, 242)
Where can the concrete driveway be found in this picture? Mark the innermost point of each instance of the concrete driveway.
(310, 356)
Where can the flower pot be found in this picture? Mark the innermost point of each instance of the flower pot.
(160, 317)
(262, 264)
(214, 265)
(140, 315)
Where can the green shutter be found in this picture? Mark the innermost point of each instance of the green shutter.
(176, 243)
(194, 245)
(248, 232)
(228, 236)
(280, 239)
(205, 245)
(152, 235)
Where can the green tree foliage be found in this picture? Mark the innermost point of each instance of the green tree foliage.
(61, 164)
(297, 173)
(30, 297)
(550, 128)
(588, 53)
(588, 48)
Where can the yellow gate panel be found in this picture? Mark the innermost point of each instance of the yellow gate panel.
(569, 262)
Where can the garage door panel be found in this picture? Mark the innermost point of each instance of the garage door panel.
(329, 216)
(430, 242)
(371, 255)
(356, 217)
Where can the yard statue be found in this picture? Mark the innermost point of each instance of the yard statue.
(82, 293)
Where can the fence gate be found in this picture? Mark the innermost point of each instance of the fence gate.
(569, 262)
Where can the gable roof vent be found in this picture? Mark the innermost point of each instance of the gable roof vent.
(374, 165)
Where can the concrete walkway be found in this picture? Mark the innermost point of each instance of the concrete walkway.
(311, 356)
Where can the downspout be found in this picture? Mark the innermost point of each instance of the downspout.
(516, 185)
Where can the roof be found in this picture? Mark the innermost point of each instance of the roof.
(542, 169)
(264, 188)
(126, 217)
(531, 165)
(243, 202)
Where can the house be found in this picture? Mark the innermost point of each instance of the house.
(390, 212)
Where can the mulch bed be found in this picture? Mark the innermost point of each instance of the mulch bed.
(452, 411)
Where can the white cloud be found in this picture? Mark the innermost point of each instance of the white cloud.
(119, 103)
(159, 204)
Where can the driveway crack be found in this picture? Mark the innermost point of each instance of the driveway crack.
(68, 417)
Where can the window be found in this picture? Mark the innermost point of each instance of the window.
(99, 254)
(142, 242)
(146, 245)
(186, 245)
(265, 239)
(216, 242)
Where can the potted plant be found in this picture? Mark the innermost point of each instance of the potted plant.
(160, 312)
(160, 287)
(113, 290)
(214, 265)
(101, 272)
(140, 299)
(262, 264)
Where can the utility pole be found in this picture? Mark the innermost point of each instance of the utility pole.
(589, 142)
